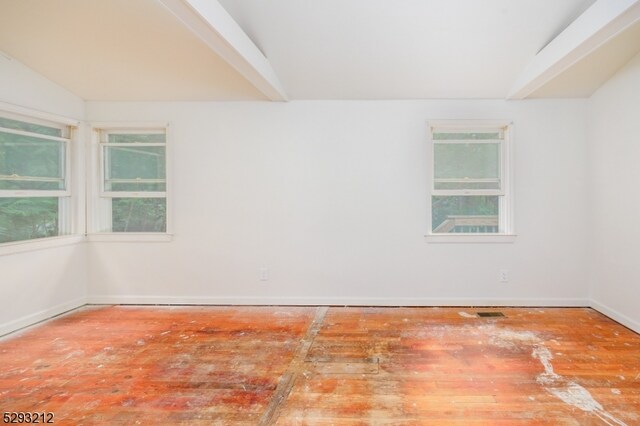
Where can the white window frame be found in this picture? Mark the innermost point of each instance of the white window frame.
(67, 217)
(506, 230)
(99, 208)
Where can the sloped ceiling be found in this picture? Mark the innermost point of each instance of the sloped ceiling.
(381, 49)
(137, 50)
(130, 50)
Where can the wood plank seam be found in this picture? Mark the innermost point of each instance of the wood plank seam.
(288, 379)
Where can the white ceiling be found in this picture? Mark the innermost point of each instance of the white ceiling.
(117, 50)
(137, 50)
(381, 49)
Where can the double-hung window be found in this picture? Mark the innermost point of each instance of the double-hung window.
(470, 184)
(34, 178)
(133, 180)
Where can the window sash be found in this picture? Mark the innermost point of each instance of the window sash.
(65, 159)
(469, 191)
(37, 219)
(105, 179)
(155, 182)
(502, 129)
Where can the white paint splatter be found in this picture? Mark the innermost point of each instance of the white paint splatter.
(616, 391)
(466, 315)
(78, 352)
(510, 339)
(564, 389)
(567, 391)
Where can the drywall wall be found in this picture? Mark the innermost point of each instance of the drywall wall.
(331, 197)
(22, 86)
(37, 284)
(614, 150)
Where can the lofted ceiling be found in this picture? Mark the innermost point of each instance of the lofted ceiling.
(147, 50)
(381, 49)
(117, 50)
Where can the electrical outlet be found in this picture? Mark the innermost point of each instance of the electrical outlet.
(264, 274)
(503, 275)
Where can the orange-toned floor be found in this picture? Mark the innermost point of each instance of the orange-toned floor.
(324, 366)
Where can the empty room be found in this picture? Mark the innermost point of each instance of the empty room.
(305, 212)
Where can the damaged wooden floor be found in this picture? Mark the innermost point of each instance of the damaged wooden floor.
(324, 366)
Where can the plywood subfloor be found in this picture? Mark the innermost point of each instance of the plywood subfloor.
(324, 366)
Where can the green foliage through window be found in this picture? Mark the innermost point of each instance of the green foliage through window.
(135, 179)
(139, 214)
(31, 163)
(28, 218)
(135, 168)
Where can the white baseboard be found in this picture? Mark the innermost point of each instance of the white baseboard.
(45, 314)
(42, 315)
(339, 301)
(615, 315)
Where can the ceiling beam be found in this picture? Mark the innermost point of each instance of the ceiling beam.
(598, 24)
(208, 20)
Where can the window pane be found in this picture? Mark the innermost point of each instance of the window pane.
(136, 138)
(30, 127)
(466, 165)
(465, 214)
(135, 168)
(28, 218)
(139, 214)
(31, 163)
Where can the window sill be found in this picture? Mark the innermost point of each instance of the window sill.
(470, 238)
(39, 244)
(130, 237)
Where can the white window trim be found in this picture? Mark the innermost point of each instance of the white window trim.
(38, 115)
(131, 237)
(470, 238)
(70, 219)
(506, 200)
(96, 214)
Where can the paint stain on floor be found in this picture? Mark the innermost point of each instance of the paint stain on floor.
(318, 366)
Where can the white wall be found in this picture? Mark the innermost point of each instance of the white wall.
(331, 197)
(20, 85)
(614, 171)
(35, 285)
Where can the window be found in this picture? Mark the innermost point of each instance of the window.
(34, 178)
(470, 185)
(133, 180)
